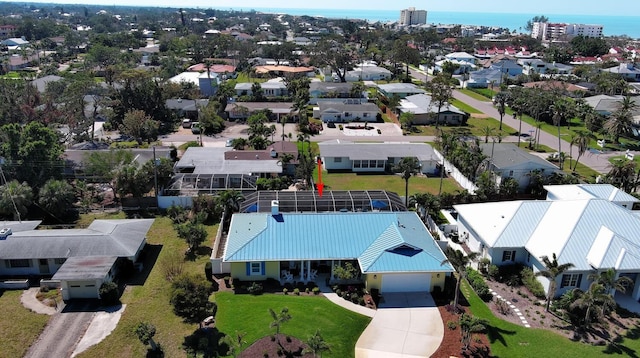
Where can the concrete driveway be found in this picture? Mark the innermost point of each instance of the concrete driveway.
(406, 325)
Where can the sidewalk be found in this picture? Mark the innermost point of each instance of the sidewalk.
(29, 301)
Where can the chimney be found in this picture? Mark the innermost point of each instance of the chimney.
(275, 207)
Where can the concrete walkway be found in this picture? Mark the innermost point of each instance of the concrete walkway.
(29, 301)
(406, 325)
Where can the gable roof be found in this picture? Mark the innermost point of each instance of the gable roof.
(588, 191)
(338, 87)
(341, 106)
(400, 88)
(421, 104)
(507, 155)
(369, 237)
(376, 151)
(588, 233)
(121, 238)
(211, 160)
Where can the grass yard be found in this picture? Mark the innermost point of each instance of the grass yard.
(474, 127)
(340, 328)
(244, 77)
(150, 301)
(474, 95)
(584, 172)
(463, 106)
(510, 340)
(19, 327)
(576, 125)
(394, 183)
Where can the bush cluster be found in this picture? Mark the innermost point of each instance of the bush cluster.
(477, 282)
(531, 282)
(255, 288)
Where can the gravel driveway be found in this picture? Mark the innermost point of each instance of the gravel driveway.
(64, 331)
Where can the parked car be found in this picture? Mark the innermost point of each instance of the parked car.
(195, 128)
(229, 143)
(186, 123)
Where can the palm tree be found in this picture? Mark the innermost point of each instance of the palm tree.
(487, 131)
(460, 262)
(316, 345)
(230, 201)
(408, 166)
(608, 280)
(469, 325)
(279, 318)
(239, 143)
(552, 270)
(15, 199)
(501, 101)
(56, 197)
(581, 140)
(595, 298)
(621, 120)
(426, 203)
(622, 174)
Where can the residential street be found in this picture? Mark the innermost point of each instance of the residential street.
(598, 162)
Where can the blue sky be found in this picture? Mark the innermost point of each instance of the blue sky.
(586, 7)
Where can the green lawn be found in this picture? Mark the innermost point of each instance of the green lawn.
(584, 172)
(474, 95)
(244, 77)
(511, 340)
(565, 133)
(463, 106)
(19, 327)
(394, 183)
(340, 328)
(150, 301)
(474, 127)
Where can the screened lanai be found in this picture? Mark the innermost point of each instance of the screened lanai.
(336, 200)
(191, 184)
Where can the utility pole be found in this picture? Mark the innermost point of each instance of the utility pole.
(155, 174)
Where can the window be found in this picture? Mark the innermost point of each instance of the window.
(511, 173)
(43, 262)
(59, 261)
(365, 115)
(337, 160)
(20, 263)
(381, 164)
(571, 280)
(255, 268)
(372, 164)
(356, 164)
(509, 256)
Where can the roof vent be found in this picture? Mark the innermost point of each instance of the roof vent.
(5, 232)
(273, 153)
(275, 207)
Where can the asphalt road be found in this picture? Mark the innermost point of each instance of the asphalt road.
(63, 332)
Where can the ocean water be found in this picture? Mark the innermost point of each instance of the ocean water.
(613, 25)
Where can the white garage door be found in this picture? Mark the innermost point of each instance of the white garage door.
(83, 289)
(406, 282)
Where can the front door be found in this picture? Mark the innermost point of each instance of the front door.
(44, 266)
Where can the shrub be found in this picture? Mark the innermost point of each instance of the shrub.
(296, 291)
(109, 294)
(483, 265)
(208, 272)
(502, 307)
(477, 282)
(452, 325)
(531, 282)
(285, 291)
(316, 290)
(255, 288)
(190, 298)
(493, 271)
(307, 290)
(339, 292)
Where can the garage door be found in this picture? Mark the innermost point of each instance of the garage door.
(82, 289)
(406, 282)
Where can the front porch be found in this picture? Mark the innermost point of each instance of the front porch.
(318, 271)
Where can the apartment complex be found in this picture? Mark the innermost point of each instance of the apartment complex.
(411, 16)
(547, 31)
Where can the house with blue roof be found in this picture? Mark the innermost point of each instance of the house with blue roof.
(393, 251)
(591, 226)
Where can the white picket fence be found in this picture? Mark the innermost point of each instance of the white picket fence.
(453, 172)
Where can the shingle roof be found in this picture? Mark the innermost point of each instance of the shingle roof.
(121, 238)
(506, 155)
(369, 237)
(85, 268)
(376, 151)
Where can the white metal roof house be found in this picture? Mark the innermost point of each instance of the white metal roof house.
(401, 89)
(506, 160)
(393, 251)
(579, 228)
(425, 111)
(346, 111)
(340, 155)
(30, 252)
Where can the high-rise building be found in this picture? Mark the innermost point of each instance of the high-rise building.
(411, 16)
(553, 31)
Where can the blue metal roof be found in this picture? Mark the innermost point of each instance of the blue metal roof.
(604, 191)
(381, 241)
